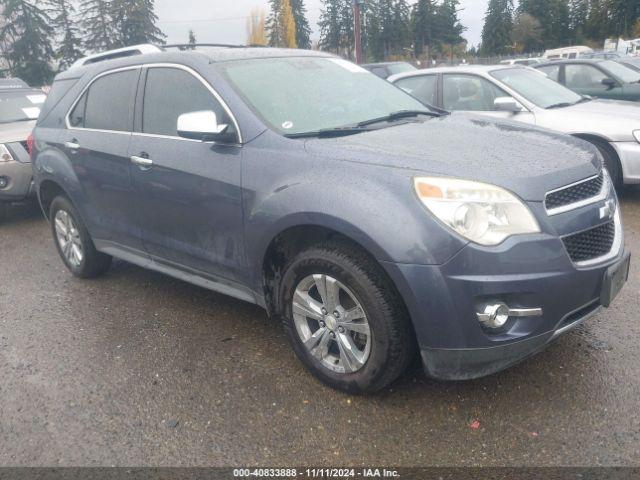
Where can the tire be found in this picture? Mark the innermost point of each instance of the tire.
(611, 162)
(360, 282)
(64, 217)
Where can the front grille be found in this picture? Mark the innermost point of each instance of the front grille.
(592, 243)
(574, 193)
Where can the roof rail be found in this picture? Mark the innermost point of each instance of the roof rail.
(117, 53)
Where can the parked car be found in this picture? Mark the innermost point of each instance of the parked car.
(630, 62)
(386, 69)
(367, 223)
(19, 107)
(603, 55)
(597, 78)
(576, 51)
(523, 94)
(523, 61)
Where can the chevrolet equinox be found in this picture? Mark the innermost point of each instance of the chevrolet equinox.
(370, 225)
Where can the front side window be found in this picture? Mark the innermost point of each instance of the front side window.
(624, 73)
(108, 103)
(295, 95)
(583, 76)
(469, 93)
(535, 87)
(552, 71)
(422, 87)
(171, 92)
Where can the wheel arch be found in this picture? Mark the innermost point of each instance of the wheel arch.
(48, 190)
(604, 143)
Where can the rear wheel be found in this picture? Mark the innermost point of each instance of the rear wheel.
(345, 319)
(73, 241)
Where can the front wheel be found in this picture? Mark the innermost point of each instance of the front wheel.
(73, 241)
(345, 320)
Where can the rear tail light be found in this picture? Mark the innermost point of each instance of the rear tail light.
(30, 145)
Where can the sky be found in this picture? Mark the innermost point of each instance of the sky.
(224, 21)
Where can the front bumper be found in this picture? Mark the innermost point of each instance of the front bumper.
(629, 154)
(19, 181)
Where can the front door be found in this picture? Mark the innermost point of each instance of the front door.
(97, 143)
(188, 194)
(587, 80)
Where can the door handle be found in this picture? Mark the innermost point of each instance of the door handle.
(72, 145)
(141, 161)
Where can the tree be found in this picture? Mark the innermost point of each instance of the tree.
(336, 26)
(526, 33)
(27, 36)
(578, 16)
(274, 25)
(422, 19)
(288, 25)
(498, 24)
(97, 25)
(448, 28)
(64, 23)
(624, 15)
(256, 33)
(303, 30)
(192, 37)
(135, 22)
(400, 27)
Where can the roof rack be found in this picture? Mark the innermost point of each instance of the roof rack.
(193, 46)
(117, 53)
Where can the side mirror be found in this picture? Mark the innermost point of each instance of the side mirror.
(609, 83)
(201, 126)
(507, 104)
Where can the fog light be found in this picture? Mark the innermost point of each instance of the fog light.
(4, 181)
(495, 315)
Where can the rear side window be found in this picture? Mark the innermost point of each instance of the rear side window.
(171, 92)
(58, 90)
(422, 87)
(108, 103)
(552, 71)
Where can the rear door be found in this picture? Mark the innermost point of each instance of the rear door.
(96, 141)
(189, 197)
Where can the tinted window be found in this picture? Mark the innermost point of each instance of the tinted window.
(583, 76)
(471, 93)
(423, 87)
(108, 104)
(169, 93)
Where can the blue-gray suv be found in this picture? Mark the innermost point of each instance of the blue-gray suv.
(370, 225)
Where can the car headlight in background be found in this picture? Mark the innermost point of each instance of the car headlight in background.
(483, 213)
(636, 134)
(5, 154)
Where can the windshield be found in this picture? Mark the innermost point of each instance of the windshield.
(20, 106)
(303, 94)
(626, 74)
(535, 87)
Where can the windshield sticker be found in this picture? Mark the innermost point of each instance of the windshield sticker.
(36, 99)
(287, 125)
(31, 112)
(352, 67)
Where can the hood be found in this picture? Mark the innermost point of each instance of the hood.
(528, 161)
(16, 131)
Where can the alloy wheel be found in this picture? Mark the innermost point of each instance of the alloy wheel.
(68, 238)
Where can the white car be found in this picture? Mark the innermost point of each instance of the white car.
(525, 95)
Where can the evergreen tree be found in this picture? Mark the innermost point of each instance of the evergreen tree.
(336, 26)
(498, 24)
(401, 27)
(135, 22)
(192, 37)
(448, 29)
(596, 27)
(624, 15)
(27, 34)
(526, 33)
(303, 30)
(578, 16)
(98, 25)
(64, 23)
(274, 26)
(422, 19)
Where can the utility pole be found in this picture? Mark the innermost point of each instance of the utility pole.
(356, 29)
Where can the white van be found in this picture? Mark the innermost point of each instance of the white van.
(567, 52)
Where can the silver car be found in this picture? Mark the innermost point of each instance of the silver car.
(19, 108)
(526, 95)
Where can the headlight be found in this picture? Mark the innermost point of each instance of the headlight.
(636, 134)
(483, 213)
(5, 154)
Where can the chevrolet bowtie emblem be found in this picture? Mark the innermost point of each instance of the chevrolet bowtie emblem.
(608, 209)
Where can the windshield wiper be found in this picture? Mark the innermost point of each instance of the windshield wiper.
(329, 132)
(560, 105)
(399, 115)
